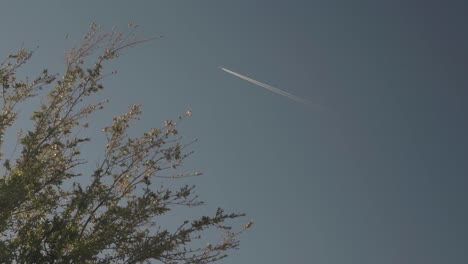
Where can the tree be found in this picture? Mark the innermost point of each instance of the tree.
(47, 216)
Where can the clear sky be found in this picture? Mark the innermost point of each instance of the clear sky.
(379, 175)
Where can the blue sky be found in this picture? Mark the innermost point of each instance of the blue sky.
(378, 176)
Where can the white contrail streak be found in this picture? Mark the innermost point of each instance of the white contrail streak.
(268, 87)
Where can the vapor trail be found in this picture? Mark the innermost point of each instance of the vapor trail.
(268, 87)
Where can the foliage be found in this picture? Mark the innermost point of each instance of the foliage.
(48, 216)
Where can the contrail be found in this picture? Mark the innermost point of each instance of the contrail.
(268, 87)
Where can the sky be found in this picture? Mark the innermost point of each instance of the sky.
(377, 174)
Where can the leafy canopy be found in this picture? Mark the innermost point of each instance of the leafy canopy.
(48, 216)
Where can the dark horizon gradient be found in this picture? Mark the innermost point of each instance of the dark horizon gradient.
(380, 178)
